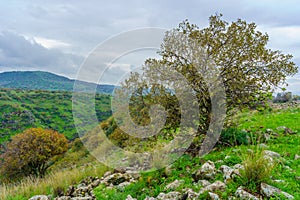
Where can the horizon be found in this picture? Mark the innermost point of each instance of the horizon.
(57, 37)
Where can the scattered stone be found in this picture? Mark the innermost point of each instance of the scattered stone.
(244, 195)
(227, 157)
(168, 196)
(129, 197)
(149, 198)
(175, 184)
(270, 191)
(207, 170)
(281, 128)
(297, 157)
(40, 197)
(214, 196)
(271, 155)
(107, 174)
(288, 131)
(227, 171)
(263, 146)
(204, 183)
(190, 194)
(216, 186)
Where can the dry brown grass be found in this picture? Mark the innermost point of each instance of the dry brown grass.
(50, 184)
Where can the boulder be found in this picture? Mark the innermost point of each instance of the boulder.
(213, 196)
(216, 186)
(40, 197)
(244, 195)
(175, 184)
(207, 171)
(169, 196)
(129, 197)
(270, 191)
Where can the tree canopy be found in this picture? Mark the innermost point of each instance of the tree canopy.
(247, 68)
(30, 152)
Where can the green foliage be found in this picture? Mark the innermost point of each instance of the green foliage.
(257, 169)
(39, 80)
(30, 152)
(232, 137)
(21, 109)
(248, 69)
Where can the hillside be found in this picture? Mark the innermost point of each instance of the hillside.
(39, 80)
(217, 175)
(22, 109)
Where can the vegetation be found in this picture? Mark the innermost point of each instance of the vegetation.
(31, 152)
(248, 70)
(257, 169)
(39, 80)
(22, 109)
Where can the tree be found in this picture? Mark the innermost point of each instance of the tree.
(248, 70)
(30, 152)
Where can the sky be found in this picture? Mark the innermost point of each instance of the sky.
(58, 35)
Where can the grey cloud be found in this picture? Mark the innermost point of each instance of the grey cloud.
(18, 53)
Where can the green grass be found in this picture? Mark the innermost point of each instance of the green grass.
(154, 182)
(263, 120)
(20, 109)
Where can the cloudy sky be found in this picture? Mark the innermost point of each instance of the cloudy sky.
(58, 35)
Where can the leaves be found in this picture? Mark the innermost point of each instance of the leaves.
(30, 152)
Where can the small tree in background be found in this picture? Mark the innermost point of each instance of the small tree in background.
(30, 152)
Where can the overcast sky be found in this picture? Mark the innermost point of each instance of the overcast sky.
(58, 35)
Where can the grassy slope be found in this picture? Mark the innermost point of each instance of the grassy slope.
(20, 109)
(151, 184)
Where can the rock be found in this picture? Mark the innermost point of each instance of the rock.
(216, 186)
(263, 146)
(190, 194)
(116, 179)
(281, 128)
(214, 196)
(288, 131)
(244, 195)
(107, 174)
(63, 198)
(150, 198)
(267, 136)
(175, 184)
(297, 157)
(129, 197)
(270, 191)
(227, 171)
(169, 196)
(204, 183)
(207, 170)
(40, 197)
(271, 155)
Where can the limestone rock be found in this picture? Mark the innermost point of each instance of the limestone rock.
(40, 197)
(129, 197)
(213, 196)
(175, 184)
(216, 186)
(169, 196)
(270, 191)
(204, 183)
(244, 195)
(207, 170)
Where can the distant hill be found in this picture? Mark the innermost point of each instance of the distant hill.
(22, 109)
(39, 80)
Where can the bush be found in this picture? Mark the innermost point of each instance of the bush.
(31, 152)
(233, 137)
(257, 169)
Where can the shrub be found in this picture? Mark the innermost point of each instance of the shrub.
(31, 152)
(233, 137)
(257, 169)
